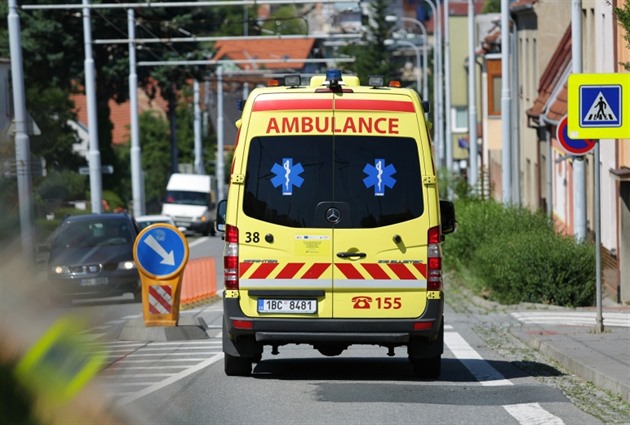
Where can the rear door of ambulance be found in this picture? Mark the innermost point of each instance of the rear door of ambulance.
(284, 181)
(380, 209)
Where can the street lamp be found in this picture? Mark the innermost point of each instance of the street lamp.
(436, 62)
(390, 42)
(425, 88)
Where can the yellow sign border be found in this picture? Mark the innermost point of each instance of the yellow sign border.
(576, 81)
(176, 272)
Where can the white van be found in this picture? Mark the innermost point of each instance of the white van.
(191, 202)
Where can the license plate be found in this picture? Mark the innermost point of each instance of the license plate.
(94, 281)
(182, 224)
(300, 306)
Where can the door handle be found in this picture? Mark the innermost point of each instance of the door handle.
(351, 254)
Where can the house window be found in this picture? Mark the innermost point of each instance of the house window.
(494, 104)
(494, 87)
(460, 119)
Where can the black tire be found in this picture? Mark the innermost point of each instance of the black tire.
(429, 368)
(237, 366)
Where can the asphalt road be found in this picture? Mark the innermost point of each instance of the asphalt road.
(486, 378)
(183, 382)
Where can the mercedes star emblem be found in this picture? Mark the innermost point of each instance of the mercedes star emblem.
(333, 215)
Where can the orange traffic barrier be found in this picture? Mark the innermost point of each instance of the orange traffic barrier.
(199, 282)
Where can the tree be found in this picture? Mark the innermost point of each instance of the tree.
(285, 21)
(53, 52)
(491, 6)
(372, 56)
(623, 17)
(155, 159)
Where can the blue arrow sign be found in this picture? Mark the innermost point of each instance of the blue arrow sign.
(161, 250)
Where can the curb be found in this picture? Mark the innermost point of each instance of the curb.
(579, 368)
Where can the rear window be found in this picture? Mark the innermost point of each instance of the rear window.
(373, 181)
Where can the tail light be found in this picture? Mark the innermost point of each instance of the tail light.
(434, 254)
(230, 258)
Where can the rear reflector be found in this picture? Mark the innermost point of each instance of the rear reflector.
(421, 326)
(243, 324)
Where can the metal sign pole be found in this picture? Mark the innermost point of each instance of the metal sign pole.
(22, 143)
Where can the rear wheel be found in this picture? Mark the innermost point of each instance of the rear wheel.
(237, 366)
(429, 368)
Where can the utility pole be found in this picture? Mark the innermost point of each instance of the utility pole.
(579, 172)
(199, 168)
(22, 142)
(506, 113)
(220, 171)
(448, 138)
(472, 98)
(135, 152)
(94, 153)
(438, 79)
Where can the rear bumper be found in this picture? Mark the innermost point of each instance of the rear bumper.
(279, 331)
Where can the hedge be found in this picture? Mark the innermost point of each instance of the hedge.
(518, 257)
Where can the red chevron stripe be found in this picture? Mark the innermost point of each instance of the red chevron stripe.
(243, 267)
(289, 271)
(375, 270)
(401, 271)
(349, 271)
(315, 271)
(264, 270)
(422, 268)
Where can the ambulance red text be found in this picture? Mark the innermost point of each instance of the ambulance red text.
(380, 125)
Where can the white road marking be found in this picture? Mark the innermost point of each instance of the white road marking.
(481, 370)
(198, 241)
(532, 414)
(172, 379)
(161, 367)
(173, 350)
(134, 355)
(186, 344)
(188, 359)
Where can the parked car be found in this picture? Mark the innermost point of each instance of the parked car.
(92, 256)
(147, 220)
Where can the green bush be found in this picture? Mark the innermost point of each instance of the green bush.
(517, 256)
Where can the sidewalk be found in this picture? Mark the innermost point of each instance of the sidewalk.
(568, 336)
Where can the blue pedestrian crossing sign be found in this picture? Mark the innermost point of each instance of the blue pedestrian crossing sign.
(605, 109)
(599, 106)
(161, 251)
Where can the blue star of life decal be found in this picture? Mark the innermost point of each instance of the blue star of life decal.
(287, 175)
(379, 176)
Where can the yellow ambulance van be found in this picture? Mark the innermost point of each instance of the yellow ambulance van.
(333, 224)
